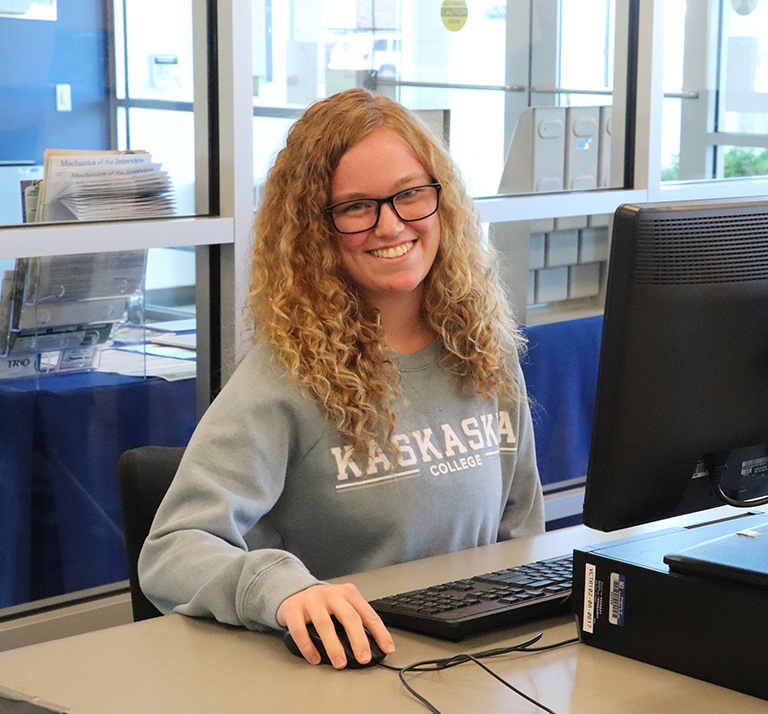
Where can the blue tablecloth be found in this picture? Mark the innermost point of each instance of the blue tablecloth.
(561, 375)
(60, 440)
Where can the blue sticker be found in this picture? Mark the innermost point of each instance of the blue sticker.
(617, 598)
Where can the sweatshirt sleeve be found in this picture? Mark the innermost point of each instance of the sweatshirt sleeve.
(196, 560)
(524, 510)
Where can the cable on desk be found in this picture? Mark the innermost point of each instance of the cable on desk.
(435, 665)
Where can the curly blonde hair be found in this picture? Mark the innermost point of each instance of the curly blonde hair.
(311, 314)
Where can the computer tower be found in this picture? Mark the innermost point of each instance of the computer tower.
(628, 602)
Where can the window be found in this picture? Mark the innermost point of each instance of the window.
(717, 92)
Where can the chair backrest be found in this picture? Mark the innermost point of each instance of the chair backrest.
(145, 474)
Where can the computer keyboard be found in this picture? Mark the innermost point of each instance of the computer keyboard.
(465, 607)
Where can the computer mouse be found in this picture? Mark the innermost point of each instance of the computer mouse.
(376, 653)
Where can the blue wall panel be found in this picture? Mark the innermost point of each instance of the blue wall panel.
(35, 56)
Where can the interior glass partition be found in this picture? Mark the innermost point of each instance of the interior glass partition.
(478, 75)
(98, 350)
(85, 374)
(522, 91)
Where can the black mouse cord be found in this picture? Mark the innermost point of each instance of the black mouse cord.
(435, 665)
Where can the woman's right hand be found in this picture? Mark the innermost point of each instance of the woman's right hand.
(317, 604)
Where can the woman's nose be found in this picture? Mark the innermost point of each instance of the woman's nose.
(389, 222)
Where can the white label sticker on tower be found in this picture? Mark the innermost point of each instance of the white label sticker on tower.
(588, 621)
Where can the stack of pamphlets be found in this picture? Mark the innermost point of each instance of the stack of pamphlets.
(57, 312)
(99, 185)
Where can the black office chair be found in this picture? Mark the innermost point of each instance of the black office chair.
(145, 473)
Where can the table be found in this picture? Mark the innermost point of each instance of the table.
(60, 440)
(175, 664)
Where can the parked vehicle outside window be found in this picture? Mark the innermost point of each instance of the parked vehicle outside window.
(366, 50)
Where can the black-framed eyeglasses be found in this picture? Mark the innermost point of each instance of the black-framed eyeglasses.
(362, 214)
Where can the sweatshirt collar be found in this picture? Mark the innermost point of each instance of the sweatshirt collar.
(420, 360)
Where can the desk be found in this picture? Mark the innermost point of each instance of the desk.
(60, 440)
(175, 664)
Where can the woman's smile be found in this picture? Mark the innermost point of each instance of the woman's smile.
(395, 251)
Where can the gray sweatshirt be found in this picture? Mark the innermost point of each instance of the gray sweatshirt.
(268, 500)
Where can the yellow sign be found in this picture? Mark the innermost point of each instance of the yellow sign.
(454, 14)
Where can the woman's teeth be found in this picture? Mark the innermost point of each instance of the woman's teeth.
(393, 252)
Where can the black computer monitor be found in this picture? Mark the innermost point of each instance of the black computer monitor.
(681, 412)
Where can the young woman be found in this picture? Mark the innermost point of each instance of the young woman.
(380, 415)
